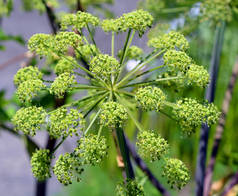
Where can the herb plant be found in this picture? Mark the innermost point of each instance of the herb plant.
(112, 95)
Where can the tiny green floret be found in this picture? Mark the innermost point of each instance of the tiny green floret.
(151, 145)
(41, 44)
(191, 114)
(112, 114)
(29, 89)
(40, 164)
(62, 84)
(91, 149)
(104, 66)
(177, 60)
(172, 40)
(66, 168)
(176, 172)
(64, 65)
(64, 123)
(27, 73)
(138, 20)
(150, 98)
(29, 119)
(79, 20)
(129, 188)
(198, 75)
(64, 40)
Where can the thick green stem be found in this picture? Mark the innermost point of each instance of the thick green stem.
(124, 153)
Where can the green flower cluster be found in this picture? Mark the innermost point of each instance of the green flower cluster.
(217, 10)
(150, 98)
(191, 114)
(197, 75)
(29, 119)
(91, 149)
(176, 172)
(64, 65)
(44, 44)
(66, 168)
(151, 145)
(171, 41)
(129, 188)
(177, 60)
(63, 40)
(112, 114)
(41, 44)
(29, 89)
(62, 83)
(79, 20)
(134, 52)
(64, 123)
(40, 164)
(104, 66)
(27, 73)
(138, 20)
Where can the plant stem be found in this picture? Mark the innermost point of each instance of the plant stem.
(124, 153)
(92, 121)
(112, 46)
(152, 81)
(210, 93)
(138, 67)
(141, 164)
(220, 129)
(233, 182)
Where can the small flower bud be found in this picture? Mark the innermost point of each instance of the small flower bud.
(151, 145)
(66, 168)
(191, 114)
(176, 172)
(112, 114)
(63, 123)
(104, 66)
(198, 76)
(41, 44)
(171, 41)
(150, 98)
(27, 73)
(177, 60)
(129, 188)
(40, 164)
(29, 119)
(64, 65)
(29, 89)
(61, 84)
(92, 150)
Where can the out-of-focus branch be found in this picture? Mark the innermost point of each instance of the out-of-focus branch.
(232, 183)
(210, 94)
(220, 129)
(79, 6)
(141, 164)
(51, 17)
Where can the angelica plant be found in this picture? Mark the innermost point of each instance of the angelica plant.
(112, 95)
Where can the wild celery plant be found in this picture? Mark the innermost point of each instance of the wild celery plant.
(113, 93)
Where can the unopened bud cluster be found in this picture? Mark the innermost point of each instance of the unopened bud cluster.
(150, 98)
(151, 145)
(130, 187)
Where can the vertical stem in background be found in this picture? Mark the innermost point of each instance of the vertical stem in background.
(124, 153)
(210, 93)
(220, 130)
(112, 47)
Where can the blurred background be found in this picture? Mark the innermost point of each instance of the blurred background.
(16, 28)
